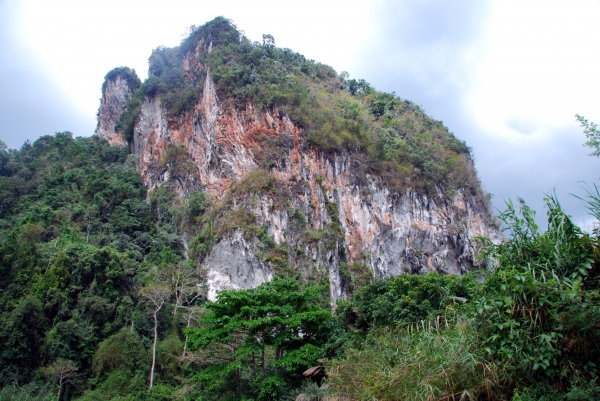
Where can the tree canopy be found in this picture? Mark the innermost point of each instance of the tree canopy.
(274, 332)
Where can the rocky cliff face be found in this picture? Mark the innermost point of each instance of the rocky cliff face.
(116, 93)
(326, 217)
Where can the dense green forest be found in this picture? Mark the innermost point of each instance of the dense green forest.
(99, 293)
(98, 302)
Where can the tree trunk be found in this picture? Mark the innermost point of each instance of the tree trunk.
(154, 350)
(278, 355)
(263, 355)
(157, 294)
(177, 301)
(189, 321)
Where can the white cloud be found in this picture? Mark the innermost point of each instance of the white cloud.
(78, 42)
(539, 65)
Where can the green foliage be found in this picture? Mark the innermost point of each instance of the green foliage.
(592, 133)
(126, 73)
(197, 204)
(298, 218)
(168, 355)
(22, 339)
(76, 238)
(169, 212)
(430, 362)
(258, 183)
(129, 117)
(541, 306)
(273, 333)
(359, 87)
(231, 220)
(122, 350)
(178, 160)
(333, 235)
(219, 31)
(31, 392)
(406, 299)
(355, 275)
(278, 257)
(166, 77)
(133, 106)
(270, 149)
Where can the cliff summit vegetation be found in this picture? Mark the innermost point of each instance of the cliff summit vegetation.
(400, 143)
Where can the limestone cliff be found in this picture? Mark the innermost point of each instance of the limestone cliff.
(120, 85)
(321, 211)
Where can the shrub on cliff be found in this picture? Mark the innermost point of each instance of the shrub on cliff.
(133, 81)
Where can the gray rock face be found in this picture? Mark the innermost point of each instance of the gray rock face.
(112, 104)
(387, 231)
(233, 265)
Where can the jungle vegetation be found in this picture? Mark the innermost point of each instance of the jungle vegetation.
(99, 297)
(98, 301)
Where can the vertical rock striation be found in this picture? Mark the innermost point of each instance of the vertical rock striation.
(335, 216)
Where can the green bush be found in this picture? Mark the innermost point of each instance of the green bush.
(540, 307)
(125, 72)
(122, 350)
(406, 299)
(128, 118)
(436, 360)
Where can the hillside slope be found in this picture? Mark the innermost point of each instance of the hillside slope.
(339, 180)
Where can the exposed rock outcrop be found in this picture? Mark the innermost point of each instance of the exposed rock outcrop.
(117, 91)
(233, 264)
(385, 230)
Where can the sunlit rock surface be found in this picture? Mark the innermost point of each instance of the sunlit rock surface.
(390, 232)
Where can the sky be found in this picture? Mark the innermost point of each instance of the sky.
(506, 76)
